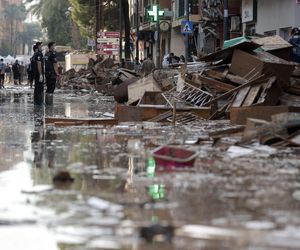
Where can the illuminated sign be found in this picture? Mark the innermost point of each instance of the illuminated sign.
(155, 13)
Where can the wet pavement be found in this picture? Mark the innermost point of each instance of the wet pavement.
(235, 197)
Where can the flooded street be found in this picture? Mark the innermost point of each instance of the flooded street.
(116, 198)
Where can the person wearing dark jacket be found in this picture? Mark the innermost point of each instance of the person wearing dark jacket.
(38, 58)
(16, 69)
(51, 72)
(295, 41)
(30, 67)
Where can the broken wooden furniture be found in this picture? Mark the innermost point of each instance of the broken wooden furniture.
(282, 130)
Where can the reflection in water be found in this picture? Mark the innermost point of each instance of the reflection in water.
(41, 139)
(40, 174)
(68, 109)
(76, 110)
(245, 194)
(157, 192)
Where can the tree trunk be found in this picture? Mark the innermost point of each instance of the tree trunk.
(11, 36)
(127, 28)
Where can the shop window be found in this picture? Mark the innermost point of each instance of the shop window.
(285, 33)
(180, 5)
(270, 33)
(193, 7)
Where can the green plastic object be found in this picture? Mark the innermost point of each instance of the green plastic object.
(235, 41)
(238, 40)
(151, 167)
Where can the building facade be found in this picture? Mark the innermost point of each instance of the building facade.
(206, 17)
(270, 17)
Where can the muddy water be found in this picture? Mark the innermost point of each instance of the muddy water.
(227, 201)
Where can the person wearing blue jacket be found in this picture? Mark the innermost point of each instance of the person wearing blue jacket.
(295, 41)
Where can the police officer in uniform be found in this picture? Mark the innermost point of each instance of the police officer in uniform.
(38, 75)
(51, 72)
(31, 66)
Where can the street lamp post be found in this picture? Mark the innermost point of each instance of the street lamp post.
(137, 30)
(186, 38)
(97, 17)
(158, 37)
(225, 20)
(121, 30)
(156, 13)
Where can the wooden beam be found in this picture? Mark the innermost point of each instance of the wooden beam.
(61, 121)
(125, 113)
(218, 85)
(258, 80)
(240, 115)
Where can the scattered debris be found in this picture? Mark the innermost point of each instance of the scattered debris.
(157, 232)
(59, 121)
(62, 177)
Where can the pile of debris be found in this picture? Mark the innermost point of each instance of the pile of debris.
(95, 75)
(247, 79)
(247, 82)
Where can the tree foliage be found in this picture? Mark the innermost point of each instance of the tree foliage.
(54, 19)
(13, 16)
(30, 33)
(84, 14)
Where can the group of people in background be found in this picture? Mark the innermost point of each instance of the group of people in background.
(43, 68)
(15, 71)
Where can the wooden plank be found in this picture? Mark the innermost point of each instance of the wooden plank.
(240, 97)
(242, 63)
(258, 80)
(251, 96)
(236, 79)
(218, 85)
(293, 90)
(137, 89)
(126, 113)
(272, 43)
(61, 121)
(269, 93)
(161, 117)
(227, 131)
(240, 115)
(216, 74)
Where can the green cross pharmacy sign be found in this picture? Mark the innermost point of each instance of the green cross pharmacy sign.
(155, 13)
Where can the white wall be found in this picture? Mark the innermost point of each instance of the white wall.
(177, 42)
(277, 14)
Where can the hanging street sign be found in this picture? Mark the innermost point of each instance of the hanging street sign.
(113, 47)
(108, 40)
(108, 43)
(109, 34)
(186, 27)
(91, 42)
(155, 13)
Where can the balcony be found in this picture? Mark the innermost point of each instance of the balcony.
(194, 13)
